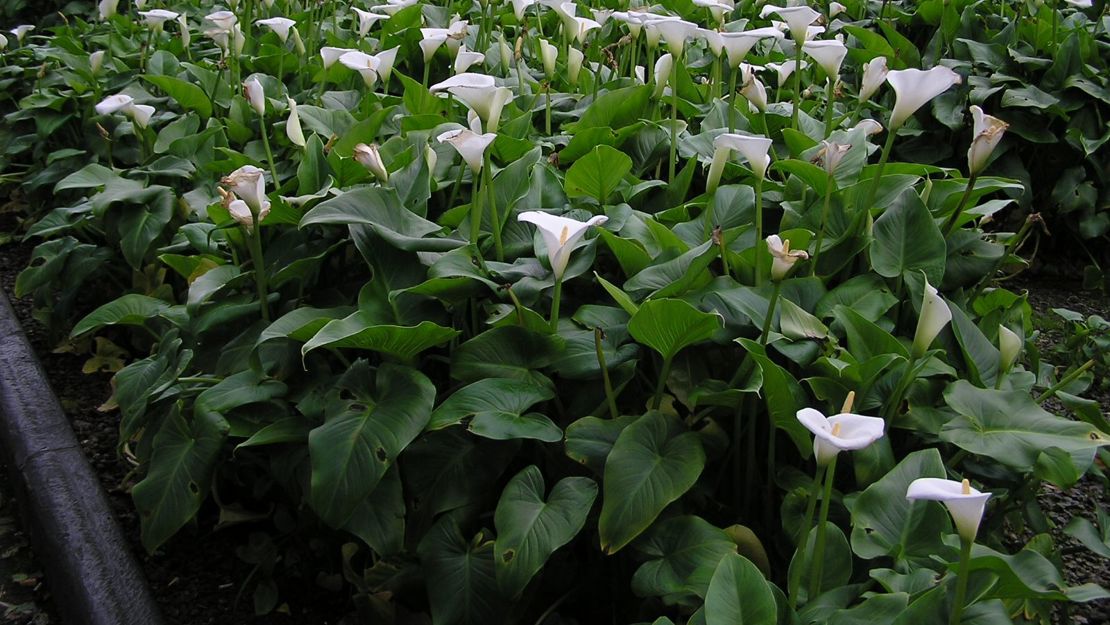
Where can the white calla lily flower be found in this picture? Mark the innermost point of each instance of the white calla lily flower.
(663, 67)
(391, 7)
(913, 88)
(241, 213)
(224, 20)
(293, 128)
(988, 132)
(480, 93)
(366, 19)
(279, 25)
(96, 61)
(21, 31)
(248, 183)
(183, 28)
(836, 8)
(874, 73)
(602, 15)
(464, 59)
(520, 6)
(574, 65)
(560, 235)
(370, 158)
(1009, 348)
(140, 114)
(254, 93)
(785, 69)
(331, 55)
(107, 8)
(365, 64)
(675, 32)
(840, 432)
(964, 503)
(548, 56)
(713, 41)
(828, 54)
(469, 144)
(430, 41)
(737, 45)
(935, 314)
(798, 19)
(870, 127)
(783, 258)
(716, 8)
(753, 149)
(157, 17)
(386, 60)
(3, 42)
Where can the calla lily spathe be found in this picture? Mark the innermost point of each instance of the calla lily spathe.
(224, 20)
(798, 19)
(935, 314)
(365, 64)
(140, 114)
(107, 8)
(828, 54)
(393, 6)
(466, 58)
(157, 17)
(964, 503)
(574, 65)
(988, 132)
(840, 432)
(1009, 348)
(753, 149)
(469, 144)
(549, 54)
(254, 93)
(785, 69)
(21, 31)
(830, 155)
(370, 158)
(386, 60)
(480, 93)
(783, 258)
(662, 74)
(279, 25)
(874, 73)
(752, 89)
(241, 213)
(293, 128)
(560, 234)
(96, 61)
(675, 32)
(248, 183)
(913, 88)
(738, 45)
(366, 19)
(716, 8)
(330, 55)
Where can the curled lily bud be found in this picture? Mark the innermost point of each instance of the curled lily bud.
(293, 125)
(96, 61)
(988, 132)
(935, 314)
(831, 154)
(249, 184)
(662, 73)
(548, 55)
(574, 65)
(241, 213)
(874, 73)
(1009, 348)
(370, 158)
(253, 92)
(783, 258)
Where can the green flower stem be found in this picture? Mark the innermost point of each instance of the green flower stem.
(1011, 247)
(720, 236)
(427, 70)
(803, 541)
(830, 109)
(476, 212)
(254, 242)
(495, 220)
(866, 206)
(671, 162)
(819, 548)
(767, 133)
(610, 397)
(954, 220)
(269, 153)
(758, 231)
(547, 109)
(146, 50)
(555, 297)
(961, 583)
(824, 222)
(770, 313)
(797, 84)
(895, 400)
(664, 373)
(732, 98)
(1064, 381)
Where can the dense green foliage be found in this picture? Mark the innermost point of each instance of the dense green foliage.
(519, 339)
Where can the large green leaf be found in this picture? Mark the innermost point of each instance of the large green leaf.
(1012, 429)
(684, 552)
(505, 352)
(598, 173)
(302, 324)
(181, 465)
(668, 325)
(496, 409)
(530, 529)
(590, 439)
(379, 520)
(131, 309)
(907, 240)
(739, 595)
(781, 393)
(381, 210)
(142, 222)
(360, 330)
(654, 461)
(354, 448)
(186, 94)
(883, 524)
(459, 575)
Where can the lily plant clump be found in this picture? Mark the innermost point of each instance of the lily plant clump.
(534, 311)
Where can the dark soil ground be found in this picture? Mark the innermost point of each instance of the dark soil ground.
(197, 577)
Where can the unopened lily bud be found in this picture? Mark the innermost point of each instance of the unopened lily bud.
(1009, 347)
(935, 314)
(252, 90)
(370, 158)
